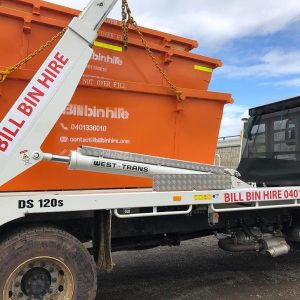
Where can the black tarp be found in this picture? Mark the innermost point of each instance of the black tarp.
(270, 172)
(279, 106)
(271, 146)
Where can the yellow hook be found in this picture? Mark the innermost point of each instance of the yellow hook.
(3, 75)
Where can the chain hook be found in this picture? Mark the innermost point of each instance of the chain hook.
(179, 96)
(3, 75)
(8, 71)
(128, 20)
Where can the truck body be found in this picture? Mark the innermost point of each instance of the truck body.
(52, 240)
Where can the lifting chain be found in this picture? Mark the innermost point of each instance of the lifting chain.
(128, 20)
(8, 71)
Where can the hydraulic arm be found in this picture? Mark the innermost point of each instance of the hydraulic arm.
(35, 112)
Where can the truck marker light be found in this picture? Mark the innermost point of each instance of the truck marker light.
(177, 198)
(216, 215)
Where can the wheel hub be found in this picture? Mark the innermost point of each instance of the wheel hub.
(36, 282)
(40, 278)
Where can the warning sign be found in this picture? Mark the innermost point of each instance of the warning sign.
(25, 157)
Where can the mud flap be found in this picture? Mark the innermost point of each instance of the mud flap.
(102, 240)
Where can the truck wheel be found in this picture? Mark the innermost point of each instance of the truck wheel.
(46, 263)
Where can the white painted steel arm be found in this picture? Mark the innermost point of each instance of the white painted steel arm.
(36, 111)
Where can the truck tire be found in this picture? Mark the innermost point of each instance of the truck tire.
(45, 262)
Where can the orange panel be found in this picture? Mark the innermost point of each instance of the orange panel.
(121, 102)
(127, 120)
(29, 24)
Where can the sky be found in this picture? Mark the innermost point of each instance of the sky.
(258, 42)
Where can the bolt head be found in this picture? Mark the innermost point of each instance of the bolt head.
(36, 155)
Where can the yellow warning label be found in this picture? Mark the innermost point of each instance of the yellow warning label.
(203, 197)
(108, 46)
(202, 68)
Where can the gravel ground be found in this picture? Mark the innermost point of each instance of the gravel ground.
(198, 269)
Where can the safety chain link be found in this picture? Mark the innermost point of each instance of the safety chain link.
(8, 71)
(128, 20)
